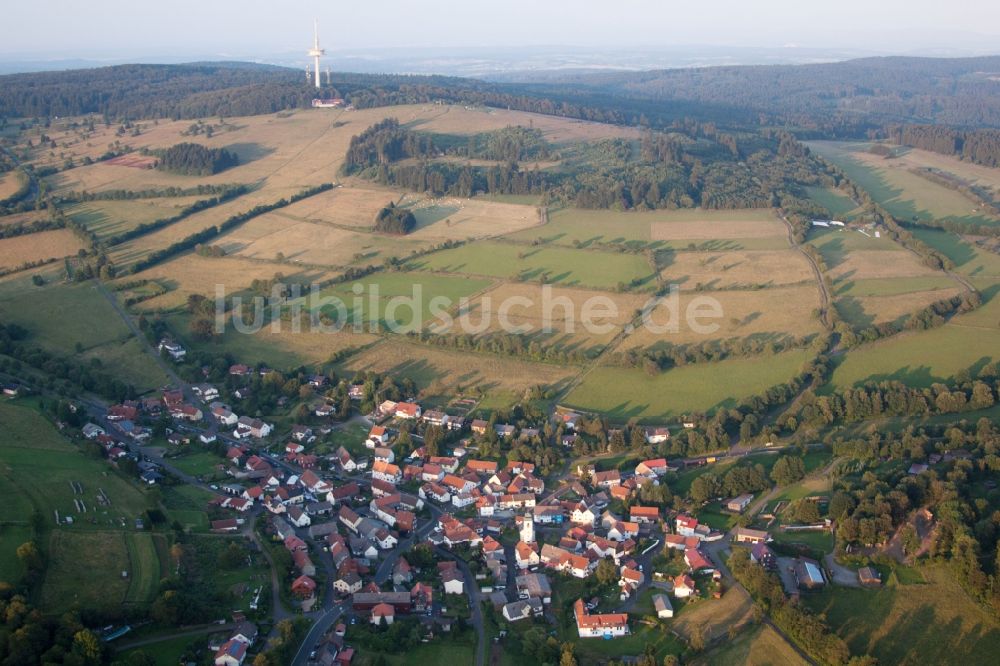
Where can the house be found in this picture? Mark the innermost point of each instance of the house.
(481, 467)
(301, 433)
(583, 515)
(298, 517)
(386, 471)
(479, 427)
(303, 587)
(384, 454)
(92, 431)
(662, 605)
(516, 611)
(402, 572)
(324, 409)
(453, 582)
(684, 586)
(436, 418)
(685, 525)
(407, 410)
(534, 586)
(504, 430)
(526, 555)
(651, 469)
(251, 427)
(383, 611)
(569, 419)
(348, 582)
(739, 504)
(231, 653)
(808, 574)
(379, 435)
(227, 525)
(205, 391)
(657, 435)
(548, 513)
(764, 556)
(604, 625)
(240, 370)
(644, 514)
(747, 535)
(697, 561)
(917, 468)
(223, 415)
(175, 351)
(869, 577)
(606, 479)
(366, 601)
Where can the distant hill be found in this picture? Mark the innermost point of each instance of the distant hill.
(869, 91)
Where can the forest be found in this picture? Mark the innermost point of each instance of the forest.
(393, 220)
(980, 146)
(194, 159)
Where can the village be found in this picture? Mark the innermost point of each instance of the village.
(377, 538)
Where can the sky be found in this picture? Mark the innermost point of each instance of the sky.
(253, 28)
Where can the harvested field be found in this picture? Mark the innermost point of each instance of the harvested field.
(557, 309)
(760, 646)
(109, 218)
(351, 205)
(54, 244)
(22, 218)
(869, 264)
(462, 120)
(10, 184)
(449, 219)
(726, 270)
(715, 616)
(869, 310)
(267, 236)
(591, 228)
(762, 314)
(731, 229)
(443, 373)
(132, 161)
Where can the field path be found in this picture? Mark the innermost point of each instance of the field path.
(826, 301)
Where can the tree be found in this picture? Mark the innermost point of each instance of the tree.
(30, 556)
(87, 645)
(606, 571)
(787, 470)
(697, 639)
(567, 658)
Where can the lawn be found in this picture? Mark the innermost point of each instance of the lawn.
(438, 651)
(169, 652)
(623, 393)
(198, 463)
(186, 504)
(595, 650)
(935, 623)
(130, 363)
(761, 646)
(559, 265)
(144, 570)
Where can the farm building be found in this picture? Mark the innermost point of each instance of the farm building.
(808, 574)
(869, 576)
(747, 535)
(739, 504)
(661, 603)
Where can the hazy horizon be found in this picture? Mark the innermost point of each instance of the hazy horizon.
(115, 31)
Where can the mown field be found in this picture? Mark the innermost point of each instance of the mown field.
(760, 646)
(623, 393)
(441, 374)
(109, 218)
(40, 246)
(935, 622)
(892, 183)
(563, 266)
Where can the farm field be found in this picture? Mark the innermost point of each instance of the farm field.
(54, 244)
(71, 579)
(969, 260)
(22, 218)
(714, 616)
(443, 373)
(572, 226)
(44, 311)
(109, 218)
(918, 358)
(761, 314)
(563, 266)
(869, 310)
(906, 195)
(736, 268)
(39, 462)
(193, 274)
(11, 536)
(840, 205)
(911, 624)
(10, 183)
(624, 393)
(130, 363)
(351, 205)
(554, 308)
(760, 646)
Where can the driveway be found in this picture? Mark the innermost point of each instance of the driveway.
(840, 574)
